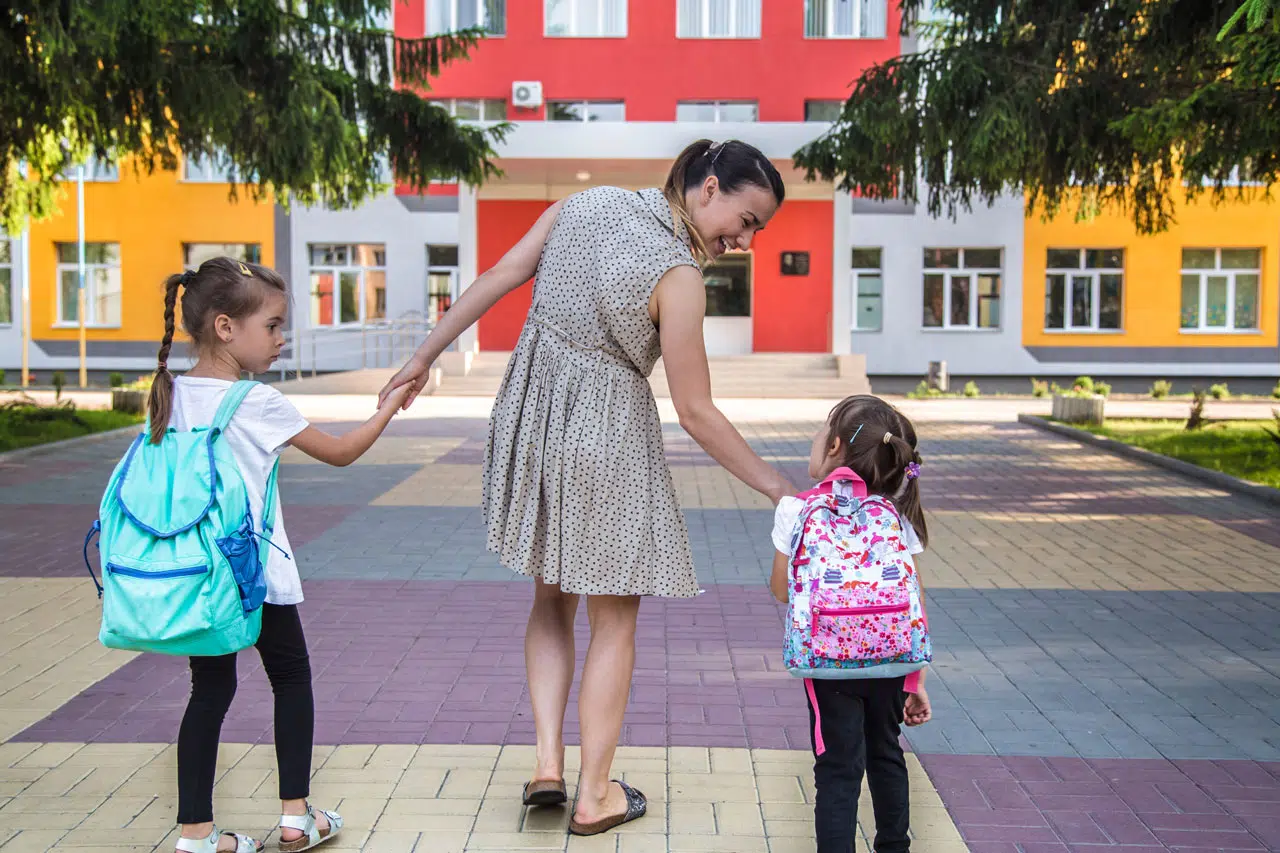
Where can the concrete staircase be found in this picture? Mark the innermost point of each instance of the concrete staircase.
(772, 375)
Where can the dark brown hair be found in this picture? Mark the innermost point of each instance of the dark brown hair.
(735, 164)
(878, 443)
(220, 286)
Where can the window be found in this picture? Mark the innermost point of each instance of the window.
(1083, 289)
(348, 283)
(728, 284)
(822, 110)
(586, 18)
(717, 111)
(94, 170)
(962, 288)
(868, 291)
(215, 169)
(442, 279)
(475, 109)
(6, 282)
(102, 287)
(718, 19)
(585, 111)
(1220, 289)
(843, 19)
(447, 16)
(195, 254)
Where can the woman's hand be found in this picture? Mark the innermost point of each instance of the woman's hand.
(414, 375)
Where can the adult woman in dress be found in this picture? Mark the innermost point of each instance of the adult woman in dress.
(577, 492)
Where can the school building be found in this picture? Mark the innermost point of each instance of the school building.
(608, 92)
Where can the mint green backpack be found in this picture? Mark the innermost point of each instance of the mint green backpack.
(182, 562)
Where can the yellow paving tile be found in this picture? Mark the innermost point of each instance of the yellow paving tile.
(436, 485)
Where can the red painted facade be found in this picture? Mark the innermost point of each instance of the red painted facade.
(650, 71)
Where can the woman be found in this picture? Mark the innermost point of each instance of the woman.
(577, 492)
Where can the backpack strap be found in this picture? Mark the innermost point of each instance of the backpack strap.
(230, 403)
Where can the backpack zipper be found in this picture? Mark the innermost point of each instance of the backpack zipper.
(160, 575)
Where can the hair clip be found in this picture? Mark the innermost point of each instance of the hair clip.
(855, 434)
(913, 470)
(245, 271)
(888, 436)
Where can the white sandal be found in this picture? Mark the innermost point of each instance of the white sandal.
(311, 834)
(244, 844)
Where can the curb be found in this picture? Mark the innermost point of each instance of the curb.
(53, 446)
(1266, 494)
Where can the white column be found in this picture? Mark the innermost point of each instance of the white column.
(468, 259)
(841, 293)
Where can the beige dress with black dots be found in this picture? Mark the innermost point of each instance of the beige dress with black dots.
(576, 484)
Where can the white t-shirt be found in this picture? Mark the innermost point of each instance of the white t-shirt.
(258, 433)
(788, 513)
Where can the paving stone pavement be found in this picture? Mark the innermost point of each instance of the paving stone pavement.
(1107, 672)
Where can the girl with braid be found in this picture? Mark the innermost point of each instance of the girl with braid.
(234, 313)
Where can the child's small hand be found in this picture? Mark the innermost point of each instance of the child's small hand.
(918, 711)
(395, 398)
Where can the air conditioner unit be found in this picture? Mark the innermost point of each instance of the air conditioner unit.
(527, 94)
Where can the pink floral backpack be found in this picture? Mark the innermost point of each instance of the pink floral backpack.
(854, 607)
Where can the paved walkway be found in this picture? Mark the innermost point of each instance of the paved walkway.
(1108, 671)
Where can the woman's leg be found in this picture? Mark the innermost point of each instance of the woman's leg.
(548, 657)
(606, 686)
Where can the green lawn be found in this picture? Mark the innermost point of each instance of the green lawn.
(1238, 448)
(25, 426)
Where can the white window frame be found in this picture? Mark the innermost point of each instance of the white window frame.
(858, 27)
(855, 273)
(215, 169)
(1230, 274)
(251, 257)
(6, 304)
(1095, 294)
(440, 269)
(91, 294)
(586, 104)
(451, 105)
(573, 20)
(975, 299)
(336, 270)
(718, 107)
(704, 19)
(482, 16)
(95, 171)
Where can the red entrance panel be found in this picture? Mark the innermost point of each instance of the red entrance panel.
(499, 226)
(792, 313)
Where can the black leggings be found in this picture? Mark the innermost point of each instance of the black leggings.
(283, 649)
(859, 724)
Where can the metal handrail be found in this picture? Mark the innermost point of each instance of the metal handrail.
(377, 339)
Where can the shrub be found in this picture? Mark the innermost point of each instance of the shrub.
(59, 382)
(2, 378)
(142, 383)
(1161, 388)
(115, 380)
(971, 389)
(1085, 384)
(1195, 420)
(1275, 392)
(1219, 391)
(1102, 389)
(1041, 389)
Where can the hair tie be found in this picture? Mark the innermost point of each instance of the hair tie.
(185, 278)
(913, 470)
(888, 436)
(855, 434)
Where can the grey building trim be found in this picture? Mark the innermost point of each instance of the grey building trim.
(894, 206)
(108, 349)
(284, 254)
(429, 203)
(1156, 355)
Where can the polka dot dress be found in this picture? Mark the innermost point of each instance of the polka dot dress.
(576, 484)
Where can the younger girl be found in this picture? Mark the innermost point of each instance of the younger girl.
(234, 313)
(861, 718)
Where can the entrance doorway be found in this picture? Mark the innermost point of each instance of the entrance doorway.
(727, 327)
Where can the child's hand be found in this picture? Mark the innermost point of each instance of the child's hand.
(918, 711)
(395, 398)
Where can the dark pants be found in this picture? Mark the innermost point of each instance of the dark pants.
(283, 650)
(860, 722)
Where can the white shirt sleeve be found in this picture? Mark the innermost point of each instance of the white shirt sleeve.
(784, 523)
(910, 539)
(278, 421)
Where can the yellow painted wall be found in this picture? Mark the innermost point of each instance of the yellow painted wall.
(1152, 274)
(151, 217)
